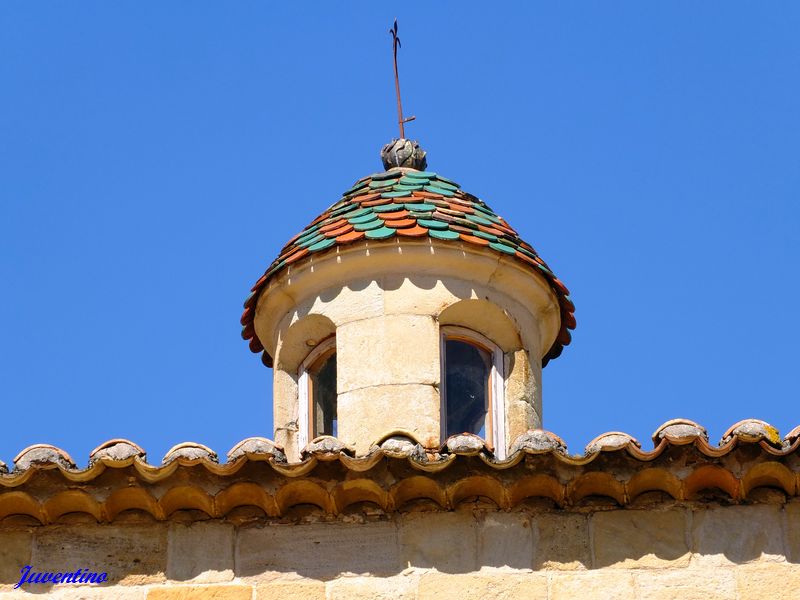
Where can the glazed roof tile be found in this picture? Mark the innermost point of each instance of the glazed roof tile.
(406, 203)
(45, 484)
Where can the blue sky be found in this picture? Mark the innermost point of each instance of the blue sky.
(155, 157)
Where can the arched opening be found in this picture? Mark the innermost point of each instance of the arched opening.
(472, 387)
(318, 398)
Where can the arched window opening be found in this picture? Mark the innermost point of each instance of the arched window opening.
(318, 399)
(472, 387)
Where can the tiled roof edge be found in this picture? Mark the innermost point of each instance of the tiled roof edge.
(120, 453)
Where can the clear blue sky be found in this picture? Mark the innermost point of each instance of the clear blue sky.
(154, 157)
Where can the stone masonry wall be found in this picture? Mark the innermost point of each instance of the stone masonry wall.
(682, 551)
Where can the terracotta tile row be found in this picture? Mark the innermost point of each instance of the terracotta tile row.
(614, 471)
(674, 433)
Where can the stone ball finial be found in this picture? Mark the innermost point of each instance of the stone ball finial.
(403, 153)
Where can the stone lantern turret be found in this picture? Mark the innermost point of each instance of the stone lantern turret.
(407, 308)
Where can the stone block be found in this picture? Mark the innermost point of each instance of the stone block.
(291, 590)
(737, 534)
(387, 350)
(318, 551)
(505, 540)
(93, 593)
(444, 541)
(209, 592)
(401, 587)
(767, 580)
(131, 555)
(686, 584)
(613, 584)
(367, 414)
(15, 553)
(201, 552)
(640, 538)
(483, 586)
(561, 541)
(792, 512)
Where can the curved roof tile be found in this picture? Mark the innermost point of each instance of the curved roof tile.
(402, 203)
(399, 471)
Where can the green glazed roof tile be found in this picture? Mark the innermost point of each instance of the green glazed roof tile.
(357, 213)
(485, 236)
(387, 208)
(502, 248)
(444, 235)
(365, 218)
(406, 180)
(407, 187)
(439, 190)
(381, 184)
(358, 186)
(439, 183)
(381, 233)
(366, 226)
(421, 174)
(431, 224)
(478, 219)
(310, 241)
(327, 243)
(400, 194)
(421, 207)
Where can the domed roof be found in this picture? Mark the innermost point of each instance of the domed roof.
(402, 203)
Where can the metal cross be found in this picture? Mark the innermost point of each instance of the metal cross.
(400, 120)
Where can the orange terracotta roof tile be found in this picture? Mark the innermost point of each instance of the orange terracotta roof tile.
(613, 470)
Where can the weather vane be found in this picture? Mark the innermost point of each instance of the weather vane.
(400, 120)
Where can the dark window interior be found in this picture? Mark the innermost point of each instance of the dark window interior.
(323, 394)
(467, 370)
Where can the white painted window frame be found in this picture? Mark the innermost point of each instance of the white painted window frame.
(304, 387)
(497, 399)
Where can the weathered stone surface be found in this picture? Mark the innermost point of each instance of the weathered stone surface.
(737, 534)
(640, 538)
(561, 541)
(505, 540)
(92, 593)
(201, 552)
(211, 592)
(15, 553)
(605, 585)
(401, 587)
(444, 541)
(793, 531)
(686, 584)
(291, 590)
(758, 581)
(190, 451)
(317, 551)
(130, 555)
(483, 586)
(368, 414)
(538, 441)
(523, 394)
(379, 351)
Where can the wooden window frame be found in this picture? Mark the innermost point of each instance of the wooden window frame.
(305, 388)
(496, 412)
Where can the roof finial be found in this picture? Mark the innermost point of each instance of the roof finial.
(400, 120)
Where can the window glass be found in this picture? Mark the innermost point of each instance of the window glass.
(467, 372)
(323, 396)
